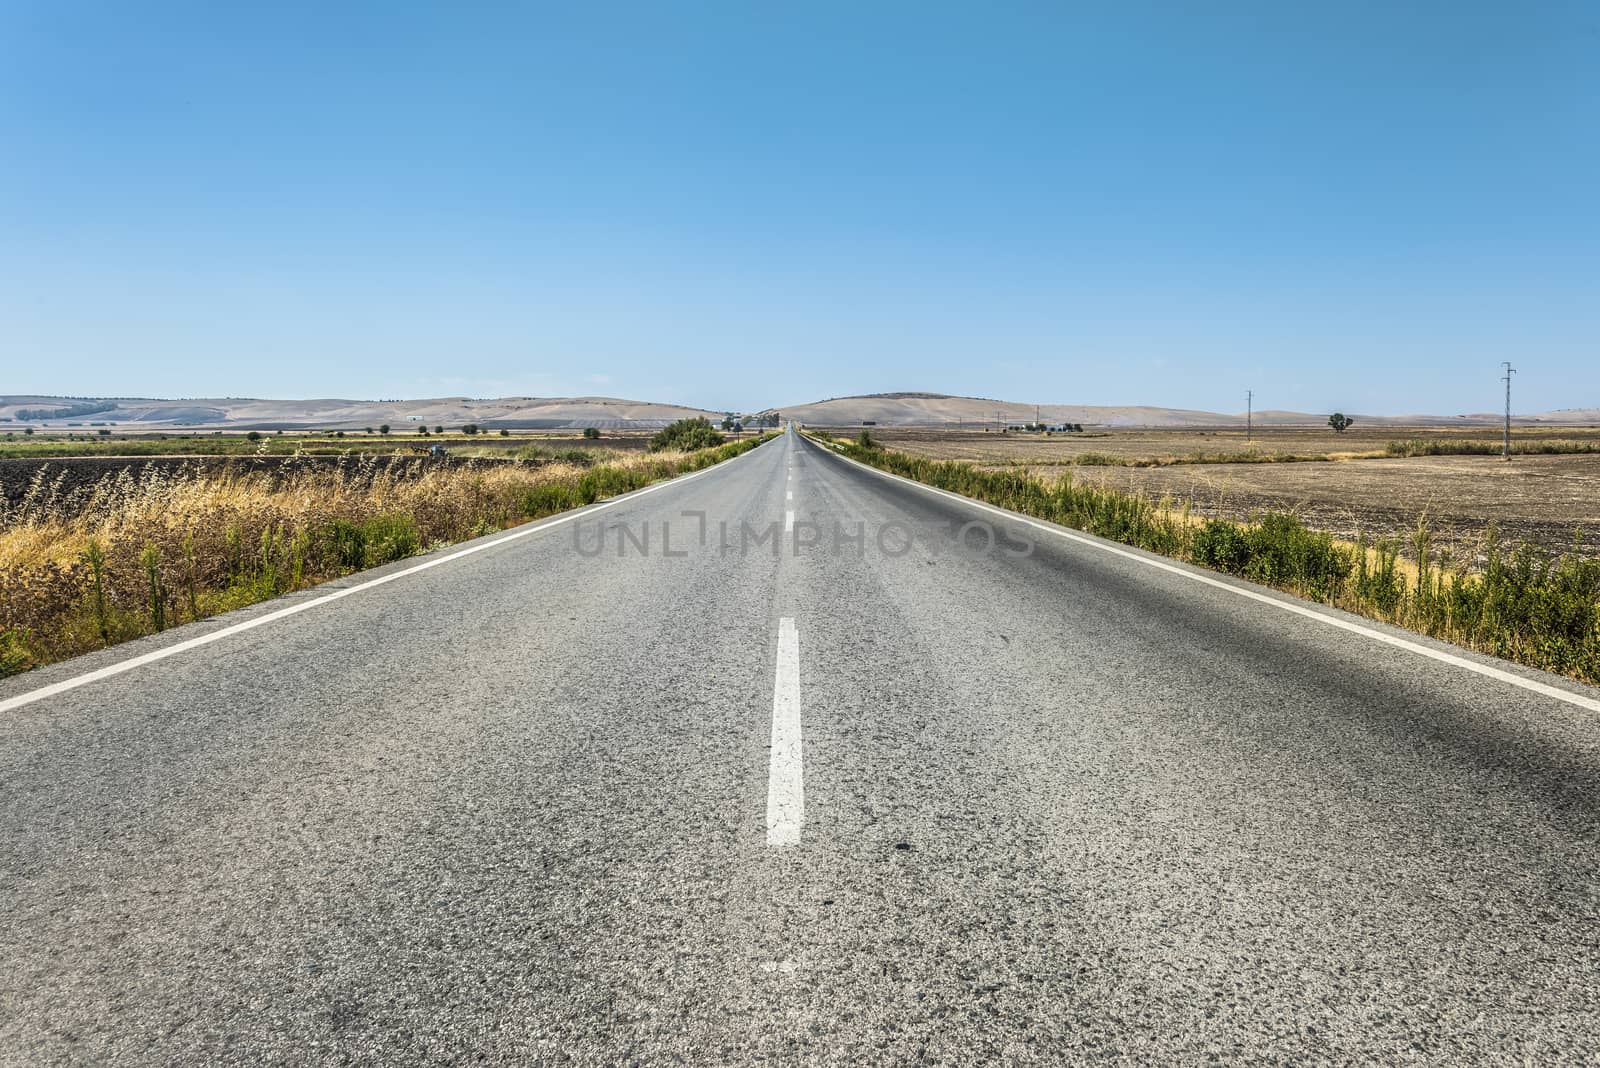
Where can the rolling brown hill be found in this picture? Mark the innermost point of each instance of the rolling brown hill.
(243, 413)
(939, 409)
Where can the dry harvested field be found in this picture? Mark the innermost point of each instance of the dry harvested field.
(1157, 446)
(1543, 499)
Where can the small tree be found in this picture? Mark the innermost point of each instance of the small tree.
(1340, 422)
(369, 430)
(27, 431)
(470, 429)
(254, 435)
(592, 433)
(384, 429)
(438, 430)
(504, 432)
(686, 435)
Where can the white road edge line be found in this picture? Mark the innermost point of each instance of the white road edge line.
(786, 795)
(1440, 655)
(121, 666)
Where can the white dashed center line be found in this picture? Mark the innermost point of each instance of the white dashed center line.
(786, 796)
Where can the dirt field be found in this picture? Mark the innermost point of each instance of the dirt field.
(38, 446)
(1176, 445)
(1541, 499)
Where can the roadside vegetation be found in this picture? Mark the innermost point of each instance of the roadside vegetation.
(685, 434)
(1465, 447)
(145, 551)
(534, 453)
(1520, 602)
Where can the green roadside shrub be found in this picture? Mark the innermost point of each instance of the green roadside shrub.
(345, 544)
(686, 435)
(388, 538)
(1221, 545)
(379, 540)
(14, 658)
(547, 499)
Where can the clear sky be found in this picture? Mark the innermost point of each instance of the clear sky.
(1346, 205)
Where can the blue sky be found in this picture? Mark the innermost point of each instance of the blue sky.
(1362, 206)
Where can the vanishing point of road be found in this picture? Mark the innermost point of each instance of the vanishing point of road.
(789, 761)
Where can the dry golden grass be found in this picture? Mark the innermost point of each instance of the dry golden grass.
(142, 551)
(159, 505)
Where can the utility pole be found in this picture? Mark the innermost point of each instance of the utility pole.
(1506, 448)
(1249, 413)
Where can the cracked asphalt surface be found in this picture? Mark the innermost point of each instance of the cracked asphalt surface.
(1059, 806)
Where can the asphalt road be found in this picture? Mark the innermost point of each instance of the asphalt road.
(851, 803)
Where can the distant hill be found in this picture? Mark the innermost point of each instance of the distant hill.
(246, 413)
(940, 409)
(555, 413)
